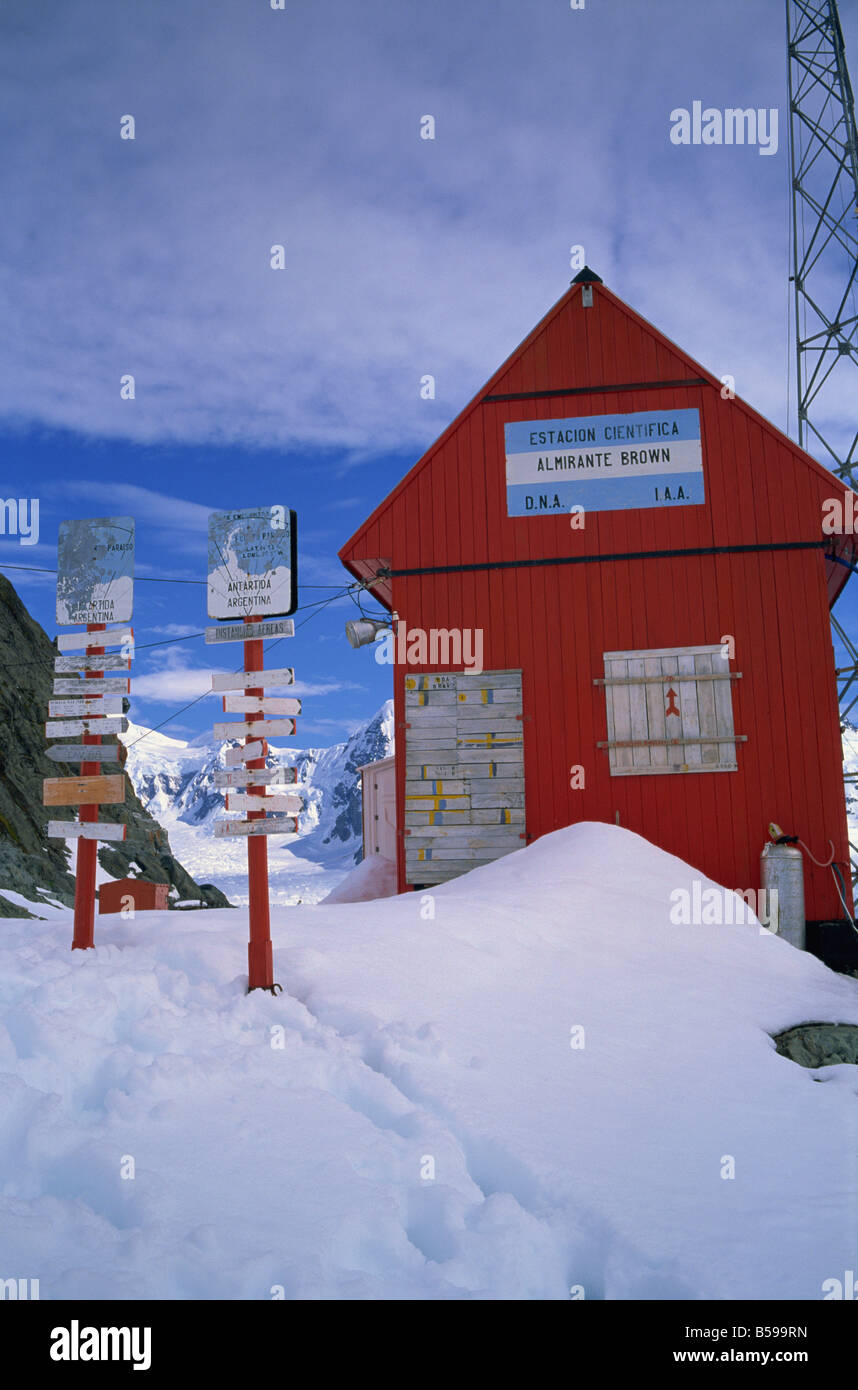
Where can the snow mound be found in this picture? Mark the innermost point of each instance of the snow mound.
(372, 878)
(524, 1083)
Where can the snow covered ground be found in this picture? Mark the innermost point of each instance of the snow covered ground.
(524, 1083)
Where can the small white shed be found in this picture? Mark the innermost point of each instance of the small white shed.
(378, 788)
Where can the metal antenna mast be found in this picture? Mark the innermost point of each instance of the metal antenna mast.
(824, 189)
(824, 170)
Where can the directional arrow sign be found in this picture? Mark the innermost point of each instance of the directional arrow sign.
(70, 641)
(84, 791)
(93, 704)
(87, 753)
(109, 662)
(234, 757)
(118, 685)
(262, 727)
(84, 830)
(263, 777)
(73, 728)
(252, 680)
(273, 825)
(239, 801)
(249, 704)
(243, 632)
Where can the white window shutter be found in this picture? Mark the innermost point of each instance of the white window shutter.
(670, 710)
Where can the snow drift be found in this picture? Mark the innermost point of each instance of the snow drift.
(526, 1084)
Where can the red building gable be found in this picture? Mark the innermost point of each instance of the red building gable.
(654, 580)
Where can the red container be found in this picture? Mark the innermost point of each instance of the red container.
(146, 897)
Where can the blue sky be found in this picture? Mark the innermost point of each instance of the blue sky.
(403, 257)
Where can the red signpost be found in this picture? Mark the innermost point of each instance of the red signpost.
(87, 850)
(259, 955)
(253, 576)
(95, 586)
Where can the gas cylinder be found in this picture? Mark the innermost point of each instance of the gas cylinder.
(782, 878)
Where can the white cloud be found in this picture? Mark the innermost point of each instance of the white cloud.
(173, 630)
(171, 513)
(403, 256)
(178, 682)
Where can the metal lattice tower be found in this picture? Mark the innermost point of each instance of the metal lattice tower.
(824, 170)
(824, 189)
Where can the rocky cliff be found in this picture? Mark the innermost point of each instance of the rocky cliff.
(30, 864)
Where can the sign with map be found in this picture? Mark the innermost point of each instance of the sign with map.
(95, 570)
(252, 563)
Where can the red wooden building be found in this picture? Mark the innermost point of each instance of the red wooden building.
(145, 897)
(661, 659)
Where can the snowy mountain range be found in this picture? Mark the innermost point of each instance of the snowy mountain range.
(175, 782)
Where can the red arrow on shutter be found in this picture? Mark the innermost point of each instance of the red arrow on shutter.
(671, 702)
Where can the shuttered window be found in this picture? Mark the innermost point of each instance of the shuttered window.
(464, 761)
(670, 710)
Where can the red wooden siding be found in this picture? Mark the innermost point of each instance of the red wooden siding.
(555, 622)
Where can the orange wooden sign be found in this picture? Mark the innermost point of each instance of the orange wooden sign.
(107, 790)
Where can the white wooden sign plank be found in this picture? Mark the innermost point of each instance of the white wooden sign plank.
(415, 817)
(472, 836)
(92, 705)
(251, 632)
(71, 641)
(487, 680)
(274, 825)
(498, 800)
(116, 685)
(84, 830)
(261, 777)
(249, 728)
(474, 852)
(109, 661)
(234, 757)
(498, 815)
(422, 801)
(249, 704)
(85, 753)
(480, 727)
(489, 695)
(241, 801)
(253, 680)
(429, 699)
(73, 728)
(436, 786)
